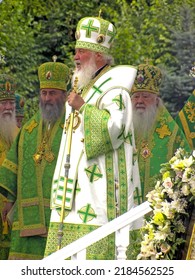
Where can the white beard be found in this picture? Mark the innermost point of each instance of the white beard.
(85, 74)
(143, 121)
(8, 128)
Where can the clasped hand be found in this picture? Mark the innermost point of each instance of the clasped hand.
(75, 100)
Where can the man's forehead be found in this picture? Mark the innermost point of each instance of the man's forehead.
(51, 92)
(47, 89)
(83, 50)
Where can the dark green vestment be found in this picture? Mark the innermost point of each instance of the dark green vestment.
(158, 147)
(186, 119)
(30, 182)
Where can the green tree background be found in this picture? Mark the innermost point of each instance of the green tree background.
(32, 31)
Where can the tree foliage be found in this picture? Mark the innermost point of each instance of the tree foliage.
(177, 84)
(32, 31)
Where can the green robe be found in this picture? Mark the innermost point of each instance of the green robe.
(4, 229)
(4, 238)
(164, 139)
(186, 120)
(30, 182)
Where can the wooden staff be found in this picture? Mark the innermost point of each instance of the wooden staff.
(69, 128)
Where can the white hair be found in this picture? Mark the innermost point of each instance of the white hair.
(109, 59)
(8, 128)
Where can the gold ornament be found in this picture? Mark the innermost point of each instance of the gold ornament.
(44, 150)
(145, 151)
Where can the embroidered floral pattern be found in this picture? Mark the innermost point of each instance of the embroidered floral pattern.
(190, 111)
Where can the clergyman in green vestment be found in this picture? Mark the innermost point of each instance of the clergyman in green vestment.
(27, 171)
(186, 120)
(8, 132)
(157, 135)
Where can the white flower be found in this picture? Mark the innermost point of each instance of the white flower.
(159, 235)
(192, 190)
(179, 205)
(168, 185)
(154, 197)
(187, 174)
(168, 210)
(185, 189)
(192, 185)
(189, 161)
(175, 195)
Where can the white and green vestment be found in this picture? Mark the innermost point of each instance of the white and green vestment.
(103, 172)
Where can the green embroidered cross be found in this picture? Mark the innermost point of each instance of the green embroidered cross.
(137, 196)
(128, 138)
(93, 172)
(31, 126)
(119, 101)
(134, 156)
(111, 34)
(97, 89)
(89, 28)
(121, 135)
(87, 213)
(123, 172)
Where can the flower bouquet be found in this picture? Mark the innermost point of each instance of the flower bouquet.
(164, 230)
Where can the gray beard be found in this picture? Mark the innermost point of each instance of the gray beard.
(8, 128)
(143, 122)
(51, 112)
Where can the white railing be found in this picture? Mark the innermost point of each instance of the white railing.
(120, 225)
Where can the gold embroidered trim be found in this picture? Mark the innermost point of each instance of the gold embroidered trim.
(10, 165)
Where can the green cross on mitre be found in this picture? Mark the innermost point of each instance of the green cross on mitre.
(112, 34)
(104, 24)
(90, 28)
(104, 28)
